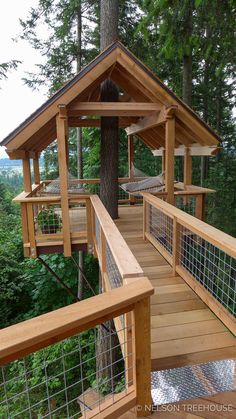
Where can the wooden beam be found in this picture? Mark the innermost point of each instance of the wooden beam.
(170, 160)
(147, 123)
(187, 167)
(21, 154)
(131, 156)
(113, 108)
(92, 122)
(197, 150)
(36, 170)
(27, 175)
(62, 138)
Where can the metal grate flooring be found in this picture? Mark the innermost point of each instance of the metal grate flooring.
(194, 381)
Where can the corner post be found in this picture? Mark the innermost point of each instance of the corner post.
(62, 138)
(187, 167)
(170, 156)
(131, 163)
(36, 169)
(27, 174)
(142, 356)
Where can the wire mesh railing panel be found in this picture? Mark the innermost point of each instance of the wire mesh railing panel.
(112, 270)
(97, 232)
(122, 194)
(186, 204)
(161, 228)
(77, 214)
(67, 379)
(210, 266)
(47, 218)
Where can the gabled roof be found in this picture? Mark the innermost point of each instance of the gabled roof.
(138, 83)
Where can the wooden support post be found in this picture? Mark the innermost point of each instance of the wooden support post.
(163, 162)
(170, 158)
(102, 257)
(131, 156)
(187, 167)
(62, 138)
(128, 351)
(36, 170)
(142, 356)
(27, 175)
(89, 223)
(199, 206)
(176, 244)
(25, 231)
(31, 227)
(131, 163)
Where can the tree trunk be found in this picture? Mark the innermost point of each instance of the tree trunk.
(79, 138)
(205, 160)
(108, 22)
(187, 58)
(109, 125)
(187, 79)
(109, 152)
(105, 356)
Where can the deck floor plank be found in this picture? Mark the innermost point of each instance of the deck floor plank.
(183, 330)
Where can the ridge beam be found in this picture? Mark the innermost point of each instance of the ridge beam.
(113, 108)
(151, 121)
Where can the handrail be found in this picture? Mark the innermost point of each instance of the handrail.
(216, 237)
(202, 255)
(124, 258)
(31, 335)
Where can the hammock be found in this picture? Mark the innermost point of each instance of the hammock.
(54, 188)
(152, 185)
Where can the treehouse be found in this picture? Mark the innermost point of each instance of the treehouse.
(168, 278)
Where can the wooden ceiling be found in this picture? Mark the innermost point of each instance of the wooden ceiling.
(144, 99)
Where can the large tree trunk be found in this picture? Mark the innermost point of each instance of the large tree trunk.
(204, 160)
(109, 125)
(79, 138)
(105, 356)
(187, 79)
(187, 58)
(108, 22)
(109, 152)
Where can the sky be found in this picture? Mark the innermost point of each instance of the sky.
(17, 101)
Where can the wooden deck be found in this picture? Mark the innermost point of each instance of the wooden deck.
(219, 406)
(184, 330)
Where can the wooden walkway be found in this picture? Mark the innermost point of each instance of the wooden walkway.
(184, 331)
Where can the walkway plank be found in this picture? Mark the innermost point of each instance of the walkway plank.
(183, 330)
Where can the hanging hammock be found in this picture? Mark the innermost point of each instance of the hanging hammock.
(54, 188)
(151, 184)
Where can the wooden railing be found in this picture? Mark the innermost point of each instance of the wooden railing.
(44, 224)
(72, 378)
(202, 255)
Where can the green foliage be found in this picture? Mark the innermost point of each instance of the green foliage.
(49, 221)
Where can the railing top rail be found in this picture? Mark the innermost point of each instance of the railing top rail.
(192, 188)
(209, 233)
(34, 334)
(124, 258)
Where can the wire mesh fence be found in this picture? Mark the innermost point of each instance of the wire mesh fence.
(161, 228)
(67, 379)
(186, 204)
(112, 270)
(47, 218)
(97, 232)
(210, 266)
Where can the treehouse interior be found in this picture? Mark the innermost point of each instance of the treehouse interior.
(168, 278)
